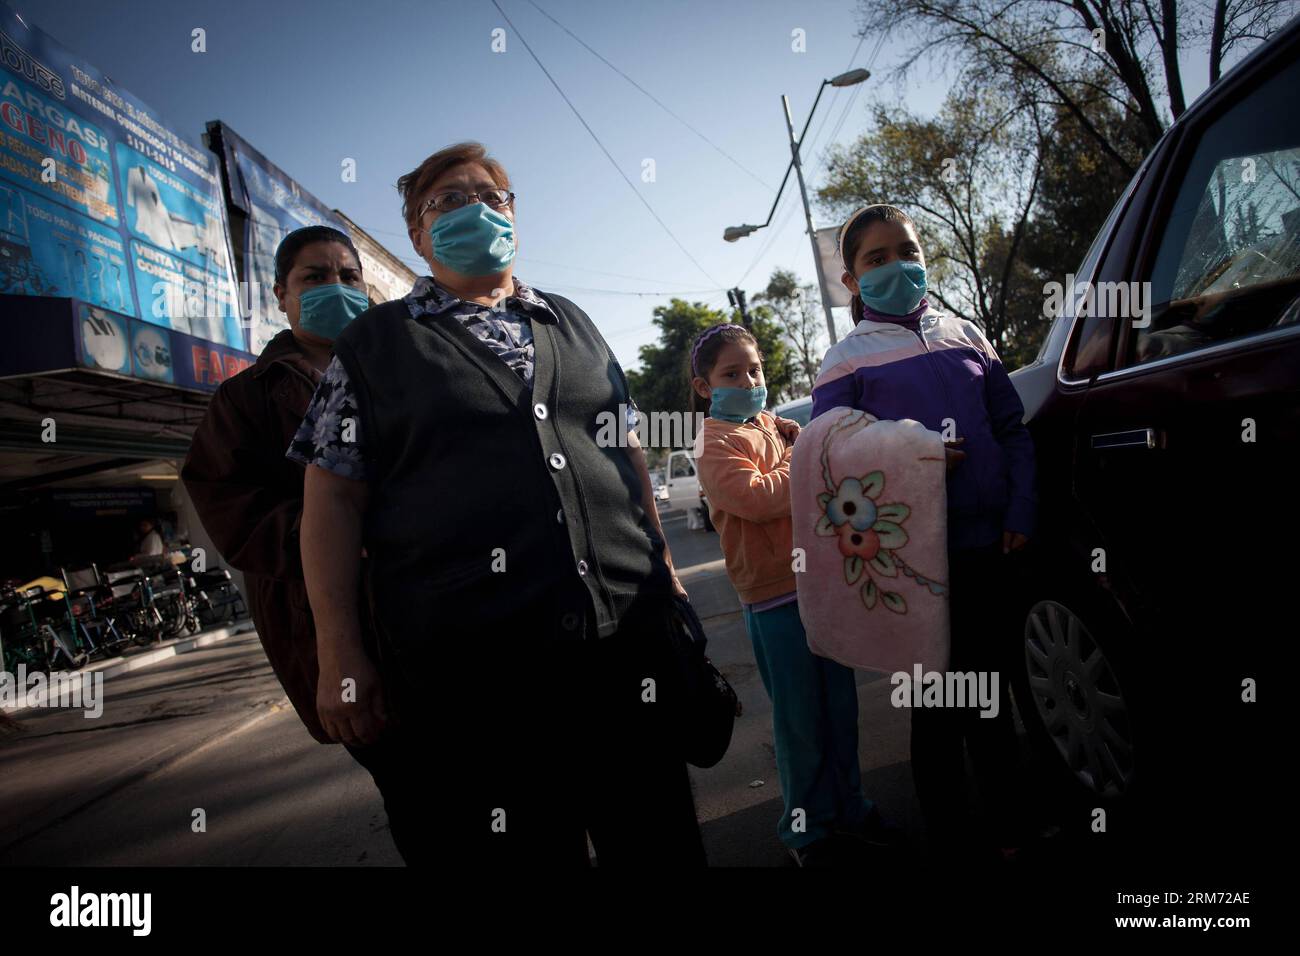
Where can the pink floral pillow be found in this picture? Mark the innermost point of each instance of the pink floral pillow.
(869, 503)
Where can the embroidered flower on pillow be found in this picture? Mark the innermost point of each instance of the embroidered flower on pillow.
(869, 533)
(863, 544)
(852, 502)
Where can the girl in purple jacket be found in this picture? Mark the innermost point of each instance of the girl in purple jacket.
(906, 359)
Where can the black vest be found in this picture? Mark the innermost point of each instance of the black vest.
(470, 470)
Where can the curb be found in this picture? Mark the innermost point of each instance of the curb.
(121, 665)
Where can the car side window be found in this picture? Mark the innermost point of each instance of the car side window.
(1228, 263)
(1090, 349)
(682, 467)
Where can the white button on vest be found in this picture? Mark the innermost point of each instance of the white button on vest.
(540, 411)
(559, 516)
(582, 567)
(557, 461)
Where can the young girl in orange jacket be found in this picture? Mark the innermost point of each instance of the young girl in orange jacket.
(743, 461)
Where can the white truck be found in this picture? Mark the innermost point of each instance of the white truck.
(684, 490)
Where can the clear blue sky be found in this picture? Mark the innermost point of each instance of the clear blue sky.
(386, 82)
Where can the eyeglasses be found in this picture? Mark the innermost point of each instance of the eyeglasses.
(454, 199)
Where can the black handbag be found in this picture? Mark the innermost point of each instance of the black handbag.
(708, 706)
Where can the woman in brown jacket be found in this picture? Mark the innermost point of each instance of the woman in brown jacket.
(249, 495)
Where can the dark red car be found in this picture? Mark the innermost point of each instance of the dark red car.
(1166, 414)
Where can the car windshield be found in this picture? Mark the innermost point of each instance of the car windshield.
(1243, 231)
(1228, 263)
(799, 411)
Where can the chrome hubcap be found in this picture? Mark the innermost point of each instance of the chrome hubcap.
(1078, 699)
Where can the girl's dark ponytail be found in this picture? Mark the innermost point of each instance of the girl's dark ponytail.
(856, 307)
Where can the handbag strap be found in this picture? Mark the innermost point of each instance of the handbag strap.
(690, 620)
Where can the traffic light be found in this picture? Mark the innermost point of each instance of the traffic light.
(737, 299)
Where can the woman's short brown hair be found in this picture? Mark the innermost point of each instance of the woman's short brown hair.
(414, 183)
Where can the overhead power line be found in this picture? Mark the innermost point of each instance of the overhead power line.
(417, 264)
(658, 102)
(598, 272)
(835, 96)
(791, 205)
(820, 161)
(613, 162)
(806, 149)
(679, 294)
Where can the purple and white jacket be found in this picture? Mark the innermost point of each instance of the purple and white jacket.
(930, 366)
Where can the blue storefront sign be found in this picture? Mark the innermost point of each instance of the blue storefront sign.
(102, 201)
(109, 342)
(275, 206)
(51, 335)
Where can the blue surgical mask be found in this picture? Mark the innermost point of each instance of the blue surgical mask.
(895, 288)
(325, 310)
(737, 404)
(474, 240)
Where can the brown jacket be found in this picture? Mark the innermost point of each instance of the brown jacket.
(249, 497)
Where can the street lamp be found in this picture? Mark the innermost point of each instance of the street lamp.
(732, 233)
(851, 78)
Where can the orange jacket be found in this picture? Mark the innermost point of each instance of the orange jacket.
(745, 472)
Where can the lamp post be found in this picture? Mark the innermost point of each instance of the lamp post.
(732, 233)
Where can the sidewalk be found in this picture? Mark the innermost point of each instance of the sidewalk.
(738, 801)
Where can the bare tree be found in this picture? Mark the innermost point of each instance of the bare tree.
(1230, 25)
(1071, 53)
(795, 309)
(969, 180)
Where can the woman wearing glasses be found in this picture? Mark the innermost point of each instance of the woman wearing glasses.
(519, 576)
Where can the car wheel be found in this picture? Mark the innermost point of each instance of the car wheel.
(1078, 700)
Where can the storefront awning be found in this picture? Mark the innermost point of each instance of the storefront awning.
(111, 385)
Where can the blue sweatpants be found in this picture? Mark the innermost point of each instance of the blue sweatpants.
(815, 727)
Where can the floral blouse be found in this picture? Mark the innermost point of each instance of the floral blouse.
(507, 330)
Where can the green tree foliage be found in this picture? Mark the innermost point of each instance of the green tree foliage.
(1053, 107)
(796, 310)
(778, 367)
(970, 182)
(1077, 191)
(662, 383)
(1064, 55)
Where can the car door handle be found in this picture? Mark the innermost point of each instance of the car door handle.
(1137, 438)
